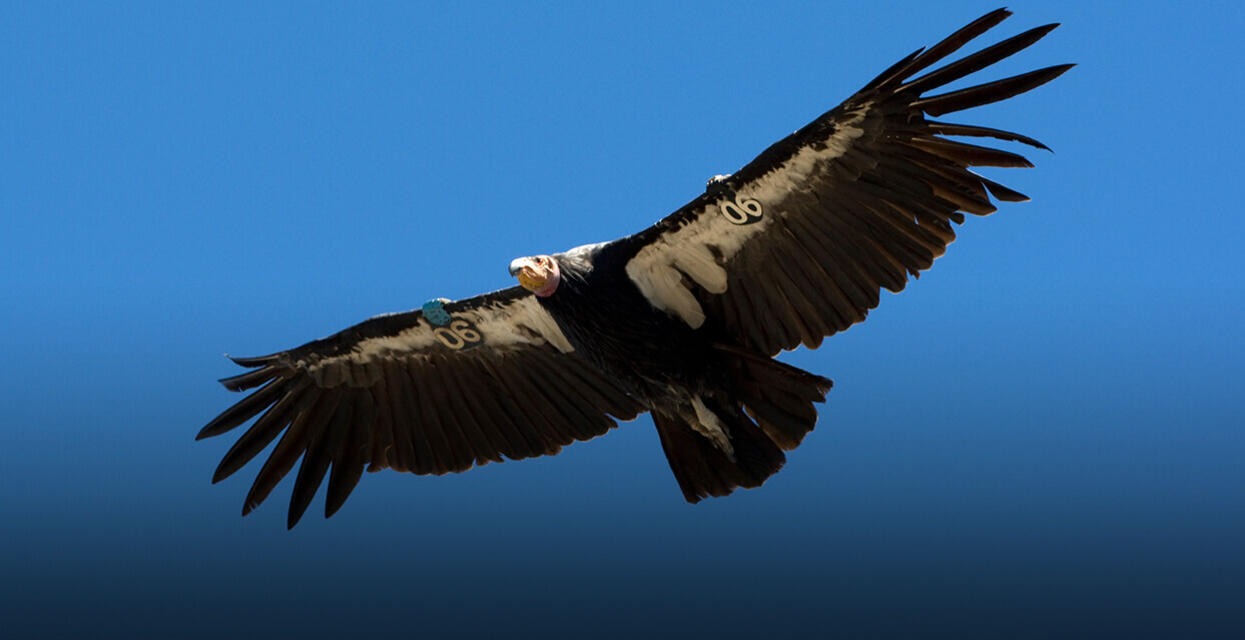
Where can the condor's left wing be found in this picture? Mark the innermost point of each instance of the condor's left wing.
(434, 390)
(797, 245)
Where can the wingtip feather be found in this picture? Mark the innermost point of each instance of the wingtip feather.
(989, 92)
(253, 361)
(977, 61)
(249, 379)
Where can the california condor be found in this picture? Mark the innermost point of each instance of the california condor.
(682, 319)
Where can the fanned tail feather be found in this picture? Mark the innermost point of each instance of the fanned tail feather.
(768, 410)
(703, 470)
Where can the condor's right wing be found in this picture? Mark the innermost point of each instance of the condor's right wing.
(425, 391)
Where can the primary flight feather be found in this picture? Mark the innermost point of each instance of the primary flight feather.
(681, 319)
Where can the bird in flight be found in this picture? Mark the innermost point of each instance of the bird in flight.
(681, 320)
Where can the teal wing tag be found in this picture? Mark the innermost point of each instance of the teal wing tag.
(434, 311)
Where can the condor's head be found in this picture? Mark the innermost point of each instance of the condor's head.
(538, 274)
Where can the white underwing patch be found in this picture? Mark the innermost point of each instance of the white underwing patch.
(504, 324)
(658, 269)
(699, 263)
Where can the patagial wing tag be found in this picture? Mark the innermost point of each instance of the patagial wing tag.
(459, 334)
(434, 312)
(739, 210)
(454, 333)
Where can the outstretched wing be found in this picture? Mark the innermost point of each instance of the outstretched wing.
(796, 245)
(462, 385)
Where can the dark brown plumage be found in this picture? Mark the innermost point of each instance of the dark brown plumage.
(681, 319)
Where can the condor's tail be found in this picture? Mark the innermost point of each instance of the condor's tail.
(737, 439)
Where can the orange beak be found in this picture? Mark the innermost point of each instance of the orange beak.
(534, 276)
(528, 273)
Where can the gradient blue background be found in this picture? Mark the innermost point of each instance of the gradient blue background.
(1041, 436)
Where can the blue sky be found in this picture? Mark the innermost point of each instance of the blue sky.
(1042, 434)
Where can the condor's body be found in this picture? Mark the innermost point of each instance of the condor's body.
(609, 322)
(681, 319)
